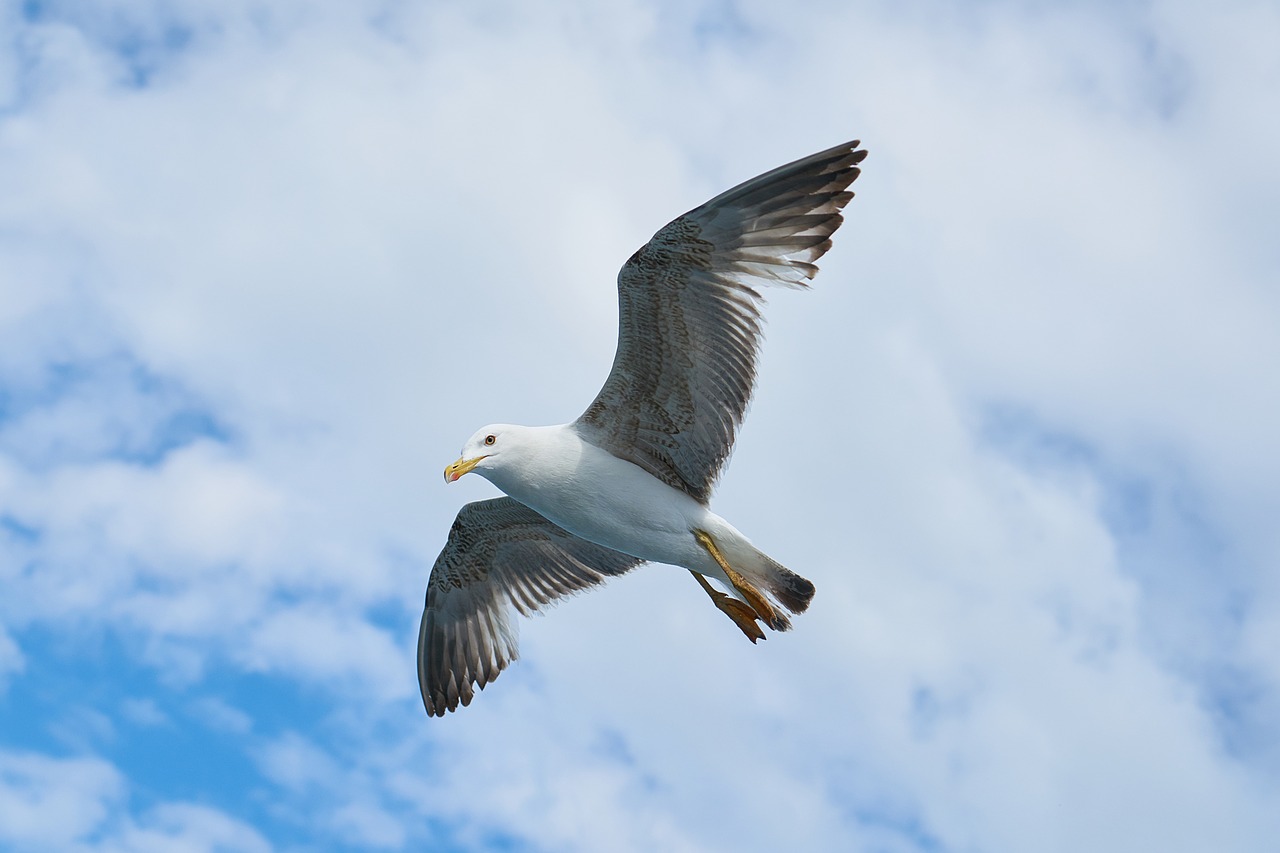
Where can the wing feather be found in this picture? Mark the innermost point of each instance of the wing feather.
(689, 321)
(500, 555)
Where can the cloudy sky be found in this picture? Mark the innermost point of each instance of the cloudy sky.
(265, 265)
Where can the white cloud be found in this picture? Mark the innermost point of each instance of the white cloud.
(295, 763)
(186, 828)
(48, 803)
(144, 712)
(350, 794)
(1021, 433)
(334, 648)
(73, 804)
(221, 716)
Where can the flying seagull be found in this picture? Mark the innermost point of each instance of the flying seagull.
(630, 480)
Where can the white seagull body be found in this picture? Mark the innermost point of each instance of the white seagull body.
(630, 480)
(606, 500)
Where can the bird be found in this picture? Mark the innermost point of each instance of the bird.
(630, 480)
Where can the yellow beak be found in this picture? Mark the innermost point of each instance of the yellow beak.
(462, 466)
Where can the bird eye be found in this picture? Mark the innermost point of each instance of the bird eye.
(489, 440)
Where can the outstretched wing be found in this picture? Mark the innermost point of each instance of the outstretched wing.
(689, 317)
(500, 554)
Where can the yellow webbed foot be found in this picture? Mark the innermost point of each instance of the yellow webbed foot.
(742, 615)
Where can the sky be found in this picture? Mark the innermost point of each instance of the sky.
(265, 266)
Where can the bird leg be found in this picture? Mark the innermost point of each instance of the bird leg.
(742, 615)
(757, 601)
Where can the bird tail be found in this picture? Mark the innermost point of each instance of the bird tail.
(784, 586)
(790, 589)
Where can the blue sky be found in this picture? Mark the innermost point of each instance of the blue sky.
(264, 267)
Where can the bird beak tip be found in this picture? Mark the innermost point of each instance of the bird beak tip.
(462, 466)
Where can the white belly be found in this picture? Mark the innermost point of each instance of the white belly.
(609, 501)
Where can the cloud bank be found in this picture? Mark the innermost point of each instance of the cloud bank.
(264, 267)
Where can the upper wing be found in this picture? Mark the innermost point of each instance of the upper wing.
(689, 316)
(499, 552)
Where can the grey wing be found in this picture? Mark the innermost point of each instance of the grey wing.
(500, 554)
(689, 317)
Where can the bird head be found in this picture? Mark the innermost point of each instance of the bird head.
(481, 452)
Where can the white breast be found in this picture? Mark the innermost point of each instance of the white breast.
(604, 499)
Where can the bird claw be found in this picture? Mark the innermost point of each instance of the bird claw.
(741, 614)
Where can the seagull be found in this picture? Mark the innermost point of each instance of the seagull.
(630, 480)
